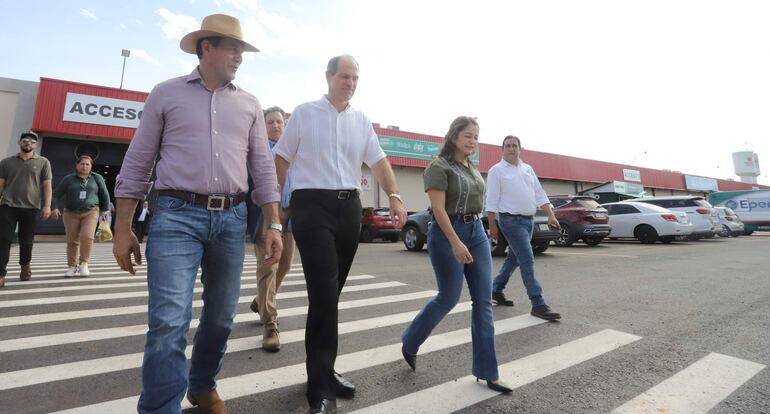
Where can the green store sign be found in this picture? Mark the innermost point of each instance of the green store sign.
(411, 148)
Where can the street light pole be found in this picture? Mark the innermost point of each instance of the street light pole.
(125, 53)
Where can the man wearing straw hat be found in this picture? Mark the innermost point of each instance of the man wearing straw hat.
(209, 134)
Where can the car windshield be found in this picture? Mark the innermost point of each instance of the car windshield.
(702, 203)
(729, 211)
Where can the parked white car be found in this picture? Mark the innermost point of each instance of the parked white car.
(647, 223)
(732, 226)
(701, 213)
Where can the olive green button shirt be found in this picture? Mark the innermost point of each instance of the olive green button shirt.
(70, 187)
(23, 179)
(464, 186)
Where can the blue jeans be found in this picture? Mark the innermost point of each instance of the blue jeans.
(517, 231)
(182, 237)
(449, 278)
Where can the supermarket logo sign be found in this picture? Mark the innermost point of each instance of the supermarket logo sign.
(749, 205)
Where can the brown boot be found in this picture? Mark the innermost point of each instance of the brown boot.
(208, 402)
(271, 341)
(26, 272)
(2, 281)
(254, 307)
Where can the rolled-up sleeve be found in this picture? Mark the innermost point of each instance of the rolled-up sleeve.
(136, 171)
(287, 146)
(260, 163)
(373, 151)
(493, 190)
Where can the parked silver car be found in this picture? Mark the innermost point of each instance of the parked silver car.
(701, 213)
(732, 226)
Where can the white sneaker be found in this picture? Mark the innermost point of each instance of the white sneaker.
(84, 269)
(71, 271)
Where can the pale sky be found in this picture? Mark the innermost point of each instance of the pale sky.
(674, 85)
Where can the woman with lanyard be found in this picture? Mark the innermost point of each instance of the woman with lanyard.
(85, 195)
(458, 247)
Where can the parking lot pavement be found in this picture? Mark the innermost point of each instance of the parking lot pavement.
(681, 327)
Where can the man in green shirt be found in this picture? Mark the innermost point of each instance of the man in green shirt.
(25, 178)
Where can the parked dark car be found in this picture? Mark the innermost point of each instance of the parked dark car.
(376, 222)
(415, 233)
(581, 218)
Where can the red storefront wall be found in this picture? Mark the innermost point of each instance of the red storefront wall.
(49, 110)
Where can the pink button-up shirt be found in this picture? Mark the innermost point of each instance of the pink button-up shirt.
(208, 142)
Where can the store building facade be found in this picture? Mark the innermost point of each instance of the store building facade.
(75, 118)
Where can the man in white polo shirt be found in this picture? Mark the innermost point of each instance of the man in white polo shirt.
(325, 142)
(513, 196)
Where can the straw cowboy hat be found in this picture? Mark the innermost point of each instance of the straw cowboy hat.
(216, 25)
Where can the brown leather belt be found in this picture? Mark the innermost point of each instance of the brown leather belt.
(215, 202)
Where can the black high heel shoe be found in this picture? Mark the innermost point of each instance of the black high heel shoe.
(409, 358)
(497, 386)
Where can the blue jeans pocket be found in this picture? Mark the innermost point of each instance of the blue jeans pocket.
(169, 203)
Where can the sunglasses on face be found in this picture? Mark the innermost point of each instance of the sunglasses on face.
(28, 141)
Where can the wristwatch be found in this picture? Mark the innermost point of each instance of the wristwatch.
(275, 226)
(397, 197)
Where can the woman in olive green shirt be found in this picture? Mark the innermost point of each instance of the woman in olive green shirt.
(458, 248)
(84, 194)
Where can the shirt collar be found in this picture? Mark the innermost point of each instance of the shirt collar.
(195, 75)
(325, 98)
(512, 165)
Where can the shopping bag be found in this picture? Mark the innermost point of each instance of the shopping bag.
(103, 231)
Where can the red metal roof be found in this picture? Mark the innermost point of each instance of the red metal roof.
(49, 109)
(563, 167)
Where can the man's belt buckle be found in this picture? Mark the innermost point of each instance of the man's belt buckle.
(469, 218)
(343, 195)
(216, 203)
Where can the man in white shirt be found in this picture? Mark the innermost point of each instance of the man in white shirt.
(325, 142)
(513, 196)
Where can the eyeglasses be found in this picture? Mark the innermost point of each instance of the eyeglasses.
(28, 141)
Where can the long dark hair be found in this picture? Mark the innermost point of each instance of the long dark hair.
(450, 140)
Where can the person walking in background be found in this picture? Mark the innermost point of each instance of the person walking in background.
(85, 195)
(513, 196)
(458, 248)
(210, 136)
(141, 220)
(25, 178)
(326, 142)
(269, 278)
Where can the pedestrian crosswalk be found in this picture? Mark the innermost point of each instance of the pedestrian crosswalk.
(78, 342)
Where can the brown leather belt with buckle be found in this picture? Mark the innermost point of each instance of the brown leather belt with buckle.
(214, 202)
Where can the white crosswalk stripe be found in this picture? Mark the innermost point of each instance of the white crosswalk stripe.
(57, 332)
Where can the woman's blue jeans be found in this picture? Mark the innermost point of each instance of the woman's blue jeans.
(182, 237)
(517, 231)
(449, 277)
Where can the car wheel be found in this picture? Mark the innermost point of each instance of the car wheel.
(725, 232)
(566, 238)
(540, 247)
(592, 241)
(499, 248)
(366, 235)
(646, 234)
(413, 240)
(667, 239)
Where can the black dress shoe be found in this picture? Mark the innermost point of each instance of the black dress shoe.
(409, 358)
(345, 388)
(545, 312)
(500, 299)
(323, 407)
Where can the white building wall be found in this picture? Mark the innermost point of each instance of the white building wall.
(17, 109)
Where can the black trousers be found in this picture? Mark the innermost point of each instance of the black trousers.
(9, 217)
(140, 228)
(326, 230)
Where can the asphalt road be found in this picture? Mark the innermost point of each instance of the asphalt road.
(646, 328)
